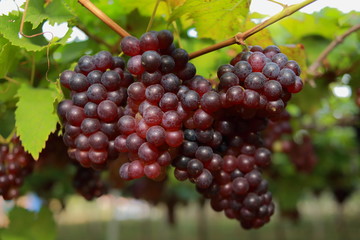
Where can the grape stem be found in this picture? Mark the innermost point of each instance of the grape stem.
(153, 15)
(240, 37)
(103, 17)
(313, 69)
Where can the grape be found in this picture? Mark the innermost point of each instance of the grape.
(62, 108)
(170, 82)
(228, 80)
(94, 76)
(79, 82)
(251, 98)
(87, 63)
(107, 111)
(151, 61)
(149, 41)
(130, 46)
(152, 170)
(194, 168)
(202, 119)
(210, 102)
(136, 91)
(204, 154)
(126, 125)
(174, 138)
(171, 120)
(272, 90)
(133, 142)
(75, 115)
(65, 78)
(156, 135)
(118, 62)
(103, 60)
(187, 72)
(181, 57)
(255, 81)
(224, 69)
(153, 115)
(96, 93)
(111, 80)
(98, 141)
(136, 169)
(154, 93)
(280, 59)
(189, 148)
(167, 64)
(257, 60)
(271, 50)
(235, 95)
(135, 66)
(89, 126)
(165, 39)
(148, 152)
(242, 69)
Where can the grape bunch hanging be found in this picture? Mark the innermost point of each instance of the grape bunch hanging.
(157, 112)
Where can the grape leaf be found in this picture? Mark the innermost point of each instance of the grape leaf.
(35, 117)
(54, 12)
(215, 19)
(9, 29)
(26, 225)
(8, 57)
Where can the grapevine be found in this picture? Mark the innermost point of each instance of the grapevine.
(149, 112)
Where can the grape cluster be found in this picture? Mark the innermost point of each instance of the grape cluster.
(168, 115)
(15, 165)
(157, 103)
(277, 138)
(98, 93)
(88, 183)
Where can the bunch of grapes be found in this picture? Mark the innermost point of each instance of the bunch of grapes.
(157, 103)
(15, 165)
(98, 88)
(168, 115)
(88, 183)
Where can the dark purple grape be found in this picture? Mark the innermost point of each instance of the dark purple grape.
(103, 60)
(111, 80)
(90, 109)
(272, 90)
(79, 82)
(224, 69)
(99, 141)
(151, 61)
(167, 64)
(130, 46)
(90, 125)
(136, 91)
(63, 107)
(257, 60)
(169, 101)
(149, 41)
(228, 80)
(65, 78)
(154, 93)
(271, 70)
(75, 115)
(181, 57)
(87, 63)
(271, 50)
(127, 125)
(156, 135)
(280, 59)
(240, 185)
(96, 93)
(255, 81)
(170, 82)
(210, 102)
(187, 72)
(118, 62)
(286, 77)
(107, 111)
(190, 100)
(94, 76)
(242, 69)
(194, 168)
(135, 66)
(165, 38)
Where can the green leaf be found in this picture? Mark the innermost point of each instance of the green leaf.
(26, 225)
(10, 27)
(8, 56)
(35, 117)
(215, 19)
(55, 12)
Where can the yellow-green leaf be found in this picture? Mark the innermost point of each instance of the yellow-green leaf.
(35, 117)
